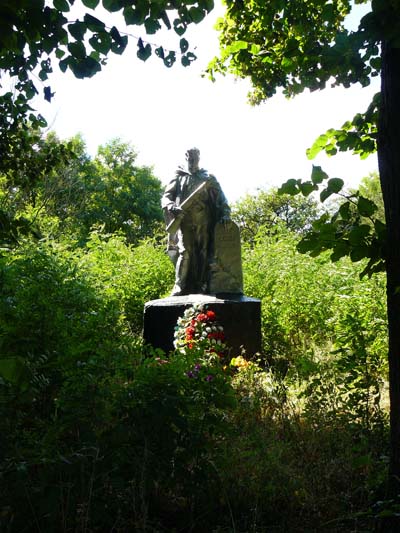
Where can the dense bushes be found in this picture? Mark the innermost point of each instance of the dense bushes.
(101, 434)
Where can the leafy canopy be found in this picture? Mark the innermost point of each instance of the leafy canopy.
(36, 35)
(302, 45)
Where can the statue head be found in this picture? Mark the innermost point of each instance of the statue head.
(193, 158)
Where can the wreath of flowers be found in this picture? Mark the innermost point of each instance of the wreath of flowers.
(198, 328)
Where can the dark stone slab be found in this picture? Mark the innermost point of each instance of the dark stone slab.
(226, 268)
(240, 316)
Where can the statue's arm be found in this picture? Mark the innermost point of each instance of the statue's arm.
(171, 200)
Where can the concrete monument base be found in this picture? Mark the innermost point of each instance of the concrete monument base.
(240, 316)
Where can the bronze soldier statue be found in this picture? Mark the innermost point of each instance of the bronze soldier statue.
(193, 203)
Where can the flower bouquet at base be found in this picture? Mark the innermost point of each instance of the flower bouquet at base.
(198, 331)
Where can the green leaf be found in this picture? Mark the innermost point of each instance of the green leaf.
(119, 42)
(84, 68)
(170, 59)
(325, 194)
(197, 14)
(165, 19)
(187, 59)
(184, 45)
(287, 64)
(340, 249)
(307, 187)
(64, 63)
(238, 45)
(380, 229)
(358, 234)
(134, 16)
(77, 49)
(289, 187)
(77, 30)
(309, 243)
(344, 211)
(160, 52)
(93, 23)
(113, 5)
(335, 185)
(151, 25)
(366, 207)
(48, 94)
(90, 3)
(318, 175)
(144, 51)
(101, 42)
(358, 253)
(207, 4)
(61, 5)
(179, 26)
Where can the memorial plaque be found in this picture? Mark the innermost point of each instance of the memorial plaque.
(226, 268)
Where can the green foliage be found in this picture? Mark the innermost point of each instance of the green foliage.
(353, 229)
(35, 36)
(29, 160)
(56, 187)
(269, 209)
(302, 44)
(111, 191)
(100, 433)
(303, 299)
(358, 135)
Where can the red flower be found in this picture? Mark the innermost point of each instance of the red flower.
(202, 317)
(190, 331)
(210, 315)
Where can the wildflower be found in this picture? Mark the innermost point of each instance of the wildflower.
(209, 377)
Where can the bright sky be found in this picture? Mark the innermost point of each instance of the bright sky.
(163, 112)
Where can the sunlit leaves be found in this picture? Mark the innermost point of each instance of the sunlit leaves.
(294, 39)
(358, 135)
(352, 229)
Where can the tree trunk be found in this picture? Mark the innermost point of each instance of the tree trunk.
(389, 169)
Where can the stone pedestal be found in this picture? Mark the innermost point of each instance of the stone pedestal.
(240, 316)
